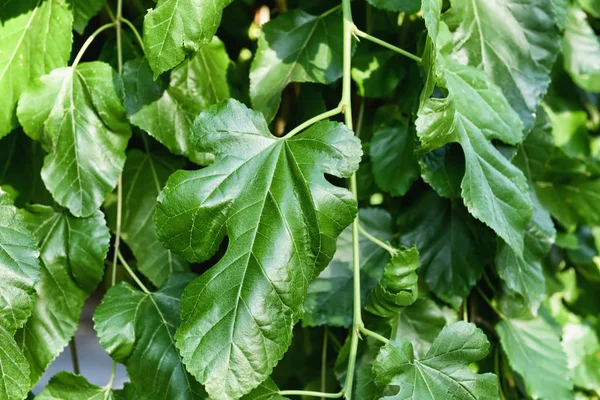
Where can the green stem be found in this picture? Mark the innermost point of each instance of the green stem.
(375, 335)
(330, 11)
(89, 41)
(313, 120)
(311, 393)
(387, 45)
(489, 302)
(113, 372)
(134, 30)
(74, 357)
(118, 18)
(324, 360)
(378, 242)
(132, 274)
(347, 109)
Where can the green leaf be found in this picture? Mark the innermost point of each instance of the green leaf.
(591, 7)
(475, 112)
(72, 251)
(36, 38)
(561, 9)
(420, 323)
(68, 386)
(453, 247)
(14, 369)
(443, 372)
(83, 11)
(515, 43)
(395, 165)
(529, 343)
(177, 27)
(138, 329)
(238, 316)
(523, 275)
(21, 162)
(77, 114)
(581, 51)
(294, 47)
(571, 199)
(376, 71)
(167, 107)
(397, 288)
(19, 267)
(407, 6)
(329, 298)
(533, 154)
(144, 176)
(443, 169)
(580, 343)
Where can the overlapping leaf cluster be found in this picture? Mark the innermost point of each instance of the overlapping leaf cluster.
(166, 128)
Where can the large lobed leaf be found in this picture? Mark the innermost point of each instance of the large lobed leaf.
(68, 386)
(19, 267)
(514, 41)
(72, 251)
(14, 369)
(473, 113)
(443, 372)
(176, 27)
(138, 329)
(78, 115)
(294, 47)
(282, 218)
(35, 37)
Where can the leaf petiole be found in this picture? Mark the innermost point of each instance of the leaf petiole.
(385, 44)
(375, 335)
(378, 242)
(314, 120)
(134, 30)
(89, 41)
(132, 274)
(311, 393)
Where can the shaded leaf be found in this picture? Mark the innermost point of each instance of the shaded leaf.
(329, 298)
(453, 247)
(267, 390)
(19, 267)
(77, 113)
(72, 251)
(36, 38)
(144, 176)
(533, 342)
(533, 154)
(407, 6)
(494, 191)
(294, 47)
(138, 329)
(443, 169)
(238, 316)
(395, 165)
(83, 11)
(376, 71)
(167, 107)
(177, 27)
(397, 288)
(515, 46)
(443, 372)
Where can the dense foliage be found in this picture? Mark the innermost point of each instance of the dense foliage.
(392, 199)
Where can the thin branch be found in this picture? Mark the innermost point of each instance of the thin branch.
(74, 357)
(378, 242)
(375, 335)
(132, 274)
(136, 33)
(314, 120)
(387, 45)
(89, 41)
(324, 360)
(311, 393)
